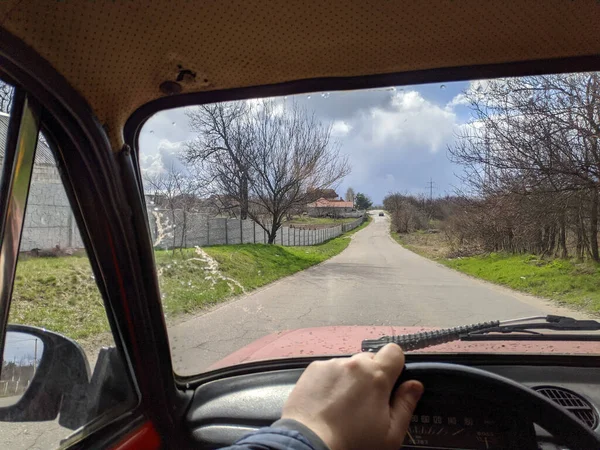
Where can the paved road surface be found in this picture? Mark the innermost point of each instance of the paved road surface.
(373, 282)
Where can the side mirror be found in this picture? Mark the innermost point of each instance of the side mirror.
(43, 373)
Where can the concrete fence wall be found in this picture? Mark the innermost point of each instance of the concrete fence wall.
(170, 230)
(49, 219)
(49, 222)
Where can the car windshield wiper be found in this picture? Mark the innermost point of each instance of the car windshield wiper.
(506, 330)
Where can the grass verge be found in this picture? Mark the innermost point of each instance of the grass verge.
(60, 293)
(568, 282)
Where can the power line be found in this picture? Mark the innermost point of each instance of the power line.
(430, 185)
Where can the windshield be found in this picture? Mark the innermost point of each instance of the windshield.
(302, 225)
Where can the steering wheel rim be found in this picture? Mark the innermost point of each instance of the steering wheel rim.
(460, 379)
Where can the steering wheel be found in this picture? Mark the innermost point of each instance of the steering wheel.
(491, 387)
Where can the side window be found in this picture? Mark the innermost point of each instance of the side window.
(60, 370)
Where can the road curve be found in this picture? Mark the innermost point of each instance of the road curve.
(375, 281)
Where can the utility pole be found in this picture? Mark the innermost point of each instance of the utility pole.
(430, 186)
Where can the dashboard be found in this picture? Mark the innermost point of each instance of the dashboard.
(443, 422)
(224, 410)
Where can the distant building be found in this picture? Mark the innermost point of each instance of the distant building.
(324, 207)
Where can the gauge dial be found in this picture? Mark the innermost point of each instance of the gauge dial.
(441, 431)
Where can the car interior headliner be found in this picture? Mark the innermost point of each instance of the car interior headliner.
(117, 53)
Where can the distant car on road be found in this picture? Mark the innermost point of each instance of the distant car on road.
(380, 214)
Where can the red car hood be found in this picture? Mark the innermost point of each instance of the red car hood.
(347, 339)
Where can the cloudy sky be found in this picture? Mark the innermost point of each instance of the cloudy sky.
(396, 138)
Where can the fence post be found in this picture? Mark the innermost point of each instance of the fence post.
(70, 230)
(207, 230)
(264, 237)
(254, 230)
(226, 234)
(241, 232)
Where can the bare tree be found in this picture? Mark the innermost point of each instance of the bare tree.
(292, 157)
(532, 153)
(266, 159)
(222, 149)
(6, 94)
(407, 212)
(350, 195)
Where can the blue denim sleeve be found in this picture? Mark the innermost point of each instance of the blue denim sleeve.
(284, 434)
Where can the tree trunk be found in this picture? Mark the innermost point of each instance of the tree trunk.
(551, 239)
(174, 231)
(562, 238)
(594, 226)
(183, 231)
(244, 198)
(579, 242)
(272, 235)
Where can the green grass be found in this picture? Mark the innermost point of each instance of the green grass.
(61, 294)
(568, 282)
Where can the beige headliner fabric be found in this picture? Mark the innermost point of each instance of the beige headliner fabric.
(117, 52)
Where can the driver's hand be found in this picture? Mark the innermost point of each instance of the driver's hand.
(346, 401)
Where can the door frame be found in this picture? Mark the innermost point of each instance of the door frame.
(95, 182)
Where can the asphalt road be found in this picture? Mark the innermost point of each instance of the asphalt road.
(374, 281)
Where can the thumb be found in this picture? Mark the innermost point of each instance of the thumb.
(403, 405)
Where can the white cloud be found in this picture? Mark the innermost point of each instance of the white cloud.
(475, 90)
(458, 100)
(340, 128)
(411, 121)
(166, 158)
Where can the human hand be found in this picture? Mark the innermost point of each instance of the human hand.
(346, 401)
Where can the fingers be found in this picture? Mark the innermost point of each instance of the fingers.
(363, 356)
(403, 405)
(391, 360)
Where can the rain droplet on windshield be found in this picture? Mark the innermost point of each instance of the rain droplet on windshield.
(325, 95)
(308, 97)
(443, 86)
